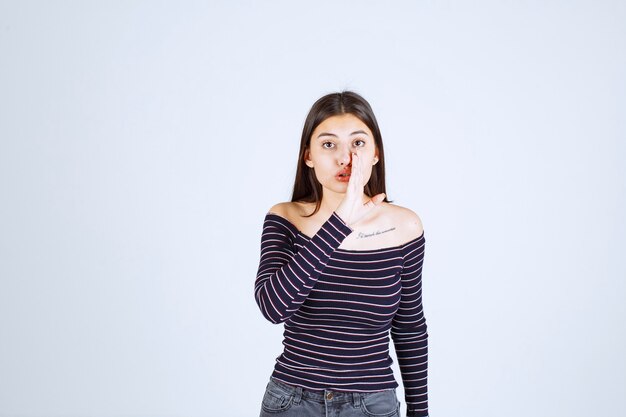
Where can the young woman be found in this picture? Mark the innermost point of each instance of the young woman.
(341, 267)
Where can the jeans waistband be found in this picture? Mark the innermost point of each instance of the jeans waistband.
(319, 395)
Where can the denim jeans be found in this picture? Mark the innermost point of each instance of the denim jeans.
(284, 400)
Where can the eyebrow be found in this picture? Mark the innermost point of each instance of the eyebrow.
(356, 132)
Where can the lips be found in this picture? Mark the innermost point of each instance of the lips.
(343, 175)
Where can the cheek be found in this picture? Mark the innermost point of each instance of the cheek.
(327, 164)
(368, 162)
(368, 168)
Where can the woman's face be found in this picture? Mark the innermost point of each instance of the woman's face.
(330, 151)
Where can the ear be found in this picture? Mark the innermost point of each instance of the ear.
(307, 158)
(376, 157)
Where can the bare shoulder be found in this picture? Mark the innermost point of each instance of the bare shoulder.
(281, 209)
(289, 210)
(407, 219)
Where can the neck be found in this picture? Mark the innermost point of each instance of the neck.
(331, 200)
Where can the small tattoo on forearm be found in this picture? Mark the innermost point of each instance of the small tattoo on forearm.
(378, 232)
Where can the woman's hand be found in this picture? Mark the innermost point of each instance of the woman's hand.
(352, 209)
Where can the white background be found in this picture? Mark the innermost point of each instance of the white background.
(142, 144)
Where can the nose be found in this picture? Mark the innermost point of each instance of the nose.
(345, 157)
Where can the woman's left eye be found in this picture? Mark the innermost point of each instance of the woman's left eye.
(359, 140)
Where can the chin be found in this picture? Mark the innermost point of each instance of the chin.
(336, 188)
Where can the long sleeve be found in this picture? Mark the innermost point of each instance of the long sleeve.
(284, 279)
(408, 332)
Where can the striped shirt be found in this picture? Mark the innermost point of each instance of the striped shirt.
(339, 307)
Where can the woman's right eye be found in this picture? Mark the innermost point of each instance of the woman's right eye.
(326, 143)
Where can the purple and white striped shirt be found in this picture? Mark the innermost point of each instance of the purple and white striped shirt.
(339, 307)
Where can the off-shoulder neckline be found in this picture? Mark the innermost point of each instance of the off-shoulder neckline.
(307, 237)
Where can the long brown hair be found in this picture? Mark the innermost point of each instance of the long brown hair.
(306, 187)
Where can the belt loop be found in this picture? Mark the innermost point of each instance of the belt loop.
(356, 398)
(298, 395)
